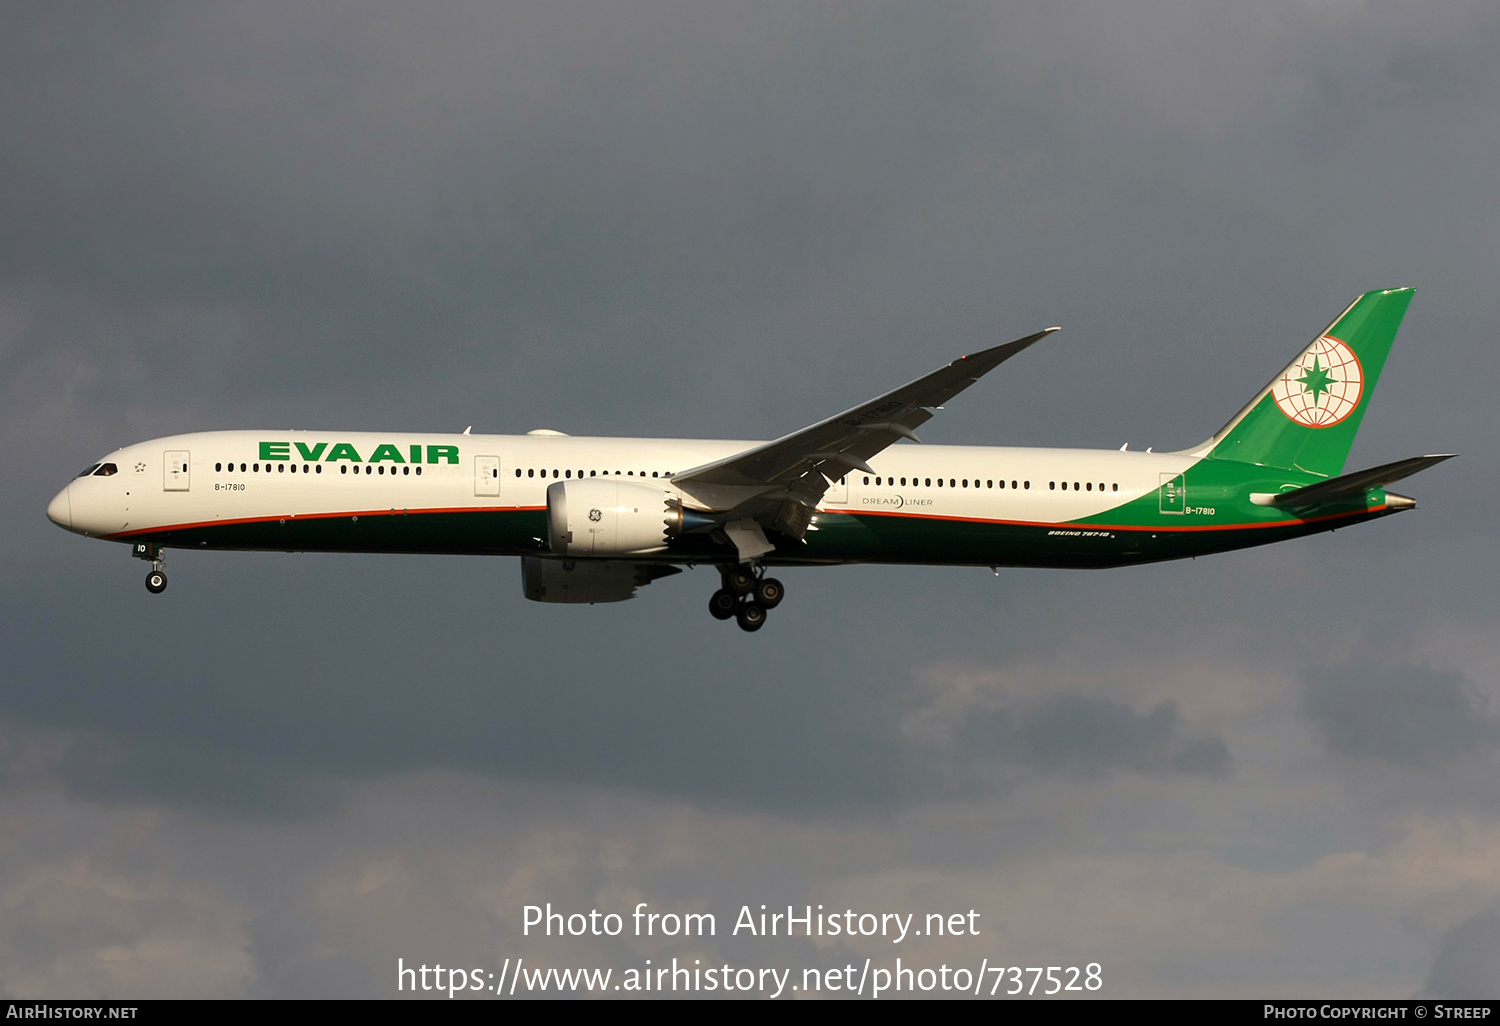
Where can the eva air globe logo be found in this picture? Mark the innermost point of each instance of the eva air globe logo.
(1323, 386)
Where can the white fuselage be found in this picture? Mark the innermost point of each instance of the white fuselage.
(228, 478)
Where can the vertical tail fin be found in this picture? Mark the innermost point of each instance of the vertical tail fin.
(1307, 416)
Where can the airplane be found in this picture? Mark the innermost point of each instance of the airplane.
(595, 519)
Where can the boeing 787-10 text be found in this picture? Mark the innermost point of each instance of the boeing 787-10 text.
(594, 519)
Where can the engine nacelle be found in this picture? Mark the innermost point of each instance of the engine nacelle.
(600, 516)
(585, 580)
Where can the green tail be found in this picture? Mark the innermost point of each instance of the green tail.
(1306, 418)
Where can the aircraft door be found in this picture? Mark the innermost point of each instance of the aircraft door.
(175, 473)
(487, 475)
(1173, 493)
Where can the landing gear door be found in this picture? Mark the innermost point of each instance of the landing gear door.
(175, 472)
(487, 475)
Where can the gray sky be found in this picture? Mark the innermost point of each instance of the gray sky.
(1268, 772)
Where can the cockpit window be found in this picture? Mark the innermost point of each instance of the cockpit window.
(106, 469)
(90, 469)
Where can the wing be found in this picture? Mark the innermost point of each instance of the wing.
(798, 467)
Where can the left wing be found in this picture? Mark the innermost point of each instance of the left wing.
(779, 483)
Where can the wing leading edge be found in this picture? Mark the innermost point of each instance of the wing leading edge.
(779, 484)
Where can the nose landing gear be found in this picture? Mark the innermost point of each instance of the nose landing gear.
(156, 580)
(747, 596)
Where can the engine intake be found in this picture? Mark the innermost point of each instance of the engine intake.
(605, 517)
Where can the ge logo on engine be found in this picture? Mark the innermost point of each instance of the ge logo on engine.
(596, 515)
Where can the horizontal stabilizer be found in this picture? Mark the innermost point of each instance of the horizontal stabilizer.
(1357, 482)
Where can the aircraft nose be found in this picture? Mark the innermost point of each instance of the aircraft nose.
(60, 509)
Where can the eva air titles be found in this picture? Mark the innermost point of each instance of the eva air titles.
(332, 452)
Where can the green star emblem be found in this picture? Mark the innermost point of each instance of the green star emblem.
(1317, 381)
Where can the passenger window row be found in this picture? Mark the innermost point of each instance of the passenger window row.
(105, 469)
(1086, 486)
(311, 468)
(953, 482)
(533, 472)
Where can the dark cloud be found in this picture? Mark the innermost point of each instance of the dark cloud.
(1412, 716)
(259, 710)
(1080, 734)
(1467, 967)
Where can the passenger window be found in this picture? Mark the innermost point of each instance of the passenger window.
(1052, 485)
(369, 471)
(929, 482)
(419, 471)
(1028, 485)
(940, 482)
(570, 473)
(343, 468)
(1116, 488)
(281, 468)
(218, 467)
(318, 469)
(867, 480)
(242, 468)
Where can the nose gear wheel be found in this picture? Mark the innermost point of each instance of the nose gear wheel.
(156, 580)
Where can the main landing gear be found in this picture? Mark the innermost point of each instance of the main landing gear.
(747, 596)
(156, 580)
